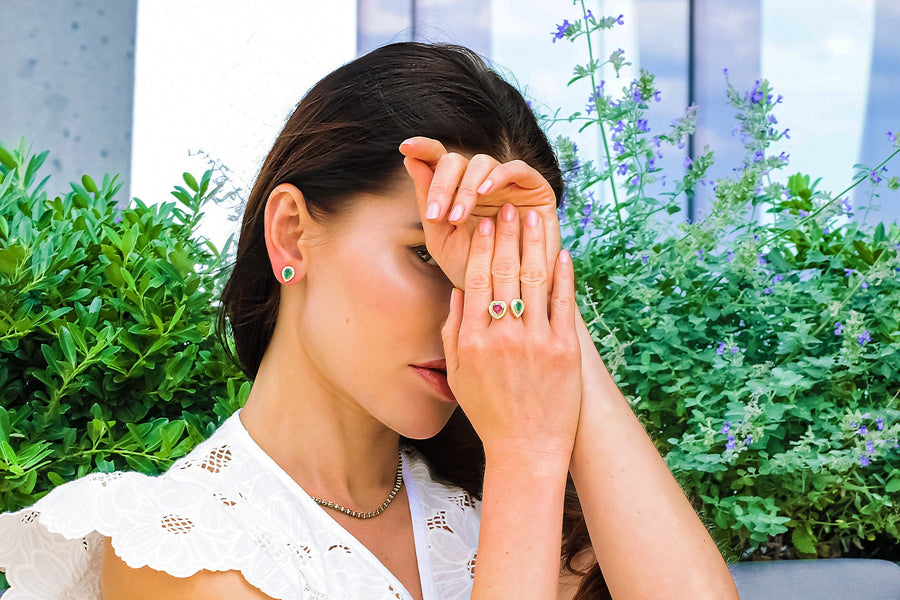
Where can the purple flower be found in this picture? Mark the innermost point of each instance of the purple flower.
(845, 204)
(863, 339)
(726, 427)
(725, 71)
(870, 447)
(619, 148)
(748, 439)
(875, 177)
(880, 424)
(622, 170)
(778, 277)
(699, 254)
(735, 349)
(633, 181)
(589, 15)
(651, 164)
(758, 156)
(803, 213)
(863, 430)
(864, 285)
(620, 126)
(644, 258)
(721, 349)
(561, 30)
(762, 259)
(891, 136)
(687, 162)
(864, 460)
(657, 97)
(621, 20)
(785, 133)
(767, 291)
(780, 99)
(730, 256)
(730, 444)
(771, 120)
(636, 94)
(838, 328)
(852, 424)
(756, 94)
(642, 125)
(848, 272)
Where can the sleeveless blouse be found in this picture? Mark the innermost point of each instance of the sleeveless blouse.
(228, 506)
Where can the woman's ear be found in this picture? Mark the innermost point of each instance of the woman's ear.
(286, 218)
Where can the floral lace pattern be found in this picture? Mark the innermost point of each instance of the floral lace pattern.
(228, 506)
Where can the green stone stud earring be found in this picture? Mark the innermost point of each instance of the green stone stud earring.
(517, 307)
(287, 273)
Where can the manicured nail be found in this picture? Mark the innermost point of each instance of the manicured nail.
(485, 226)
(564, 256)
(508, 212)
(456, 213)
(485, 187)
(406, 142)
(434, 209)
(531, 218)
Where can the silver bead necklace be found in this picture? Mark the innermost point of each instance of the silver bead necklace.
(374, 513)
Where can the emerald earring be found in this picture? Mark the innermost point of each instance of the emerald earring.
(287, 273)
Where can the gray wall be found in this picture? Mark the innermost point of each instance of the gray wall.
(67, 85)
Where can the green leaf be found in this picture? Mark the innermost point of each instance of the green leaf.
(893, 485)
(68, 345)
(89, 184)
(6, 159)
(803, 540)
(191, 182)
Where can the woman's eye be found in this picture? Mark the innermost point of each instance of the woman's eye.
(422, 252)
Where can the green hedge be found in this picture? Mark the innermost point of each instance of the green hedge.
(108, 356)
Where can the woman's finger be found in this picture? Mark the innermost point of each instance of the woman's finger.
(505, 266)
(533, 276)
(426, 149)
(450, 169)
(436, 231)
(450, 330)
(562, 298)
(516, 171)
(478, 169)
(479, 289)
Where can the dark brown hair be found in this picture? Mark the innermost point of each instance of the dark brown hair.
(341, 140)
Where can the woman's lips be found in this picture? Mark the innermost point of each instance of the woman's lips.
(438, 382)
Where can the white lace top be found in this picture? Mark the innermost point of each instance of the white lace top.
(228, 506)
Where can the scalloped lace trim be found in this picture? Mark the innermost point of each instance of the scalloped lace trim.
(227, 506)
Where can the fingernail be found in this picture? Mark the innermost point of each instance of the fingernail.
(434, 209)
(456, 213)
(508, 212)
(531, 218)
(485, 187)
(405, 142)
(485, 226)
(453, 293)
(564, 256)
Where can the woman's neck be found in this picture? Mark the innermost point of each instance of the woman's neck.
(328, 444)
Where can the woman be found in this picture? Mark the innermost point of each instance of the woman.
(390, 448)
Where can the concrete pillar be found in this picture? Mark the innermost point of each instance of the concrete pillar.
(67, 85)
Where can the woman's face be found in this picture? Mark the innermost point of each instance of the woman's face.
(374, 302)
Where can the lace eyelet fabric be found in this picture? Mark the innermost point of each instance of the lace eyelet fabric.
(228, 506)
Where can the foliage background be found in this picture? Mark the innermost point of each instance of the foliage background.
(760, 346)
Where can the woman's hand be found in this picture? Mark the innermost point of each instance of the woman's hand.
(517, 379)
(484, 185)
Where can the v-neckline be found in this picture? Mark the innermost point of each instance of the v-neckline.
(412, 497)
